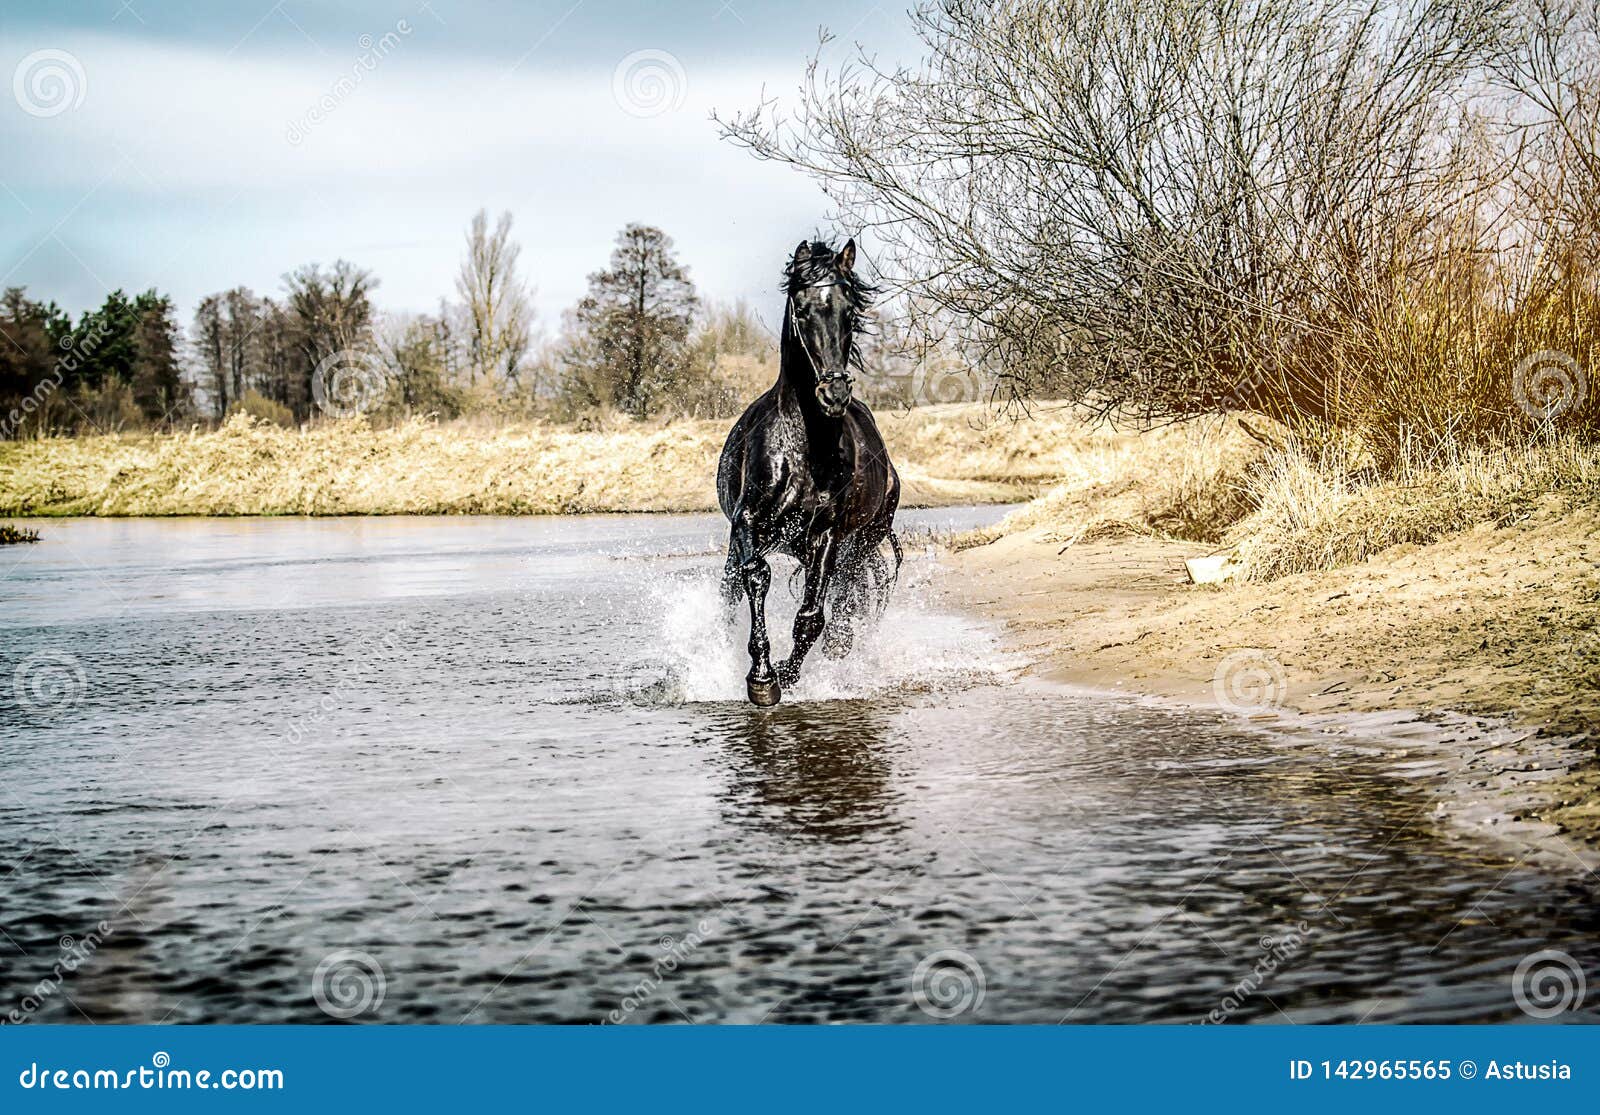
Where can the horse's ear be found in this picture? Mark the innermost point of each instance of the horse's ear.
(803, 251)
(847, 257)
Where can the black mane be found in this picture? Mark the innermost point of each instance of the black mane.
(819, 265)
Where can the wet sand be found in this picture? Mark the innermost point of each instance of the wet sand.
(1439, 655)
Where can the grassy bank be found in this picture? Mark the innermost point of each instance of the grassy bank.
(946, 455)
(1280, 509)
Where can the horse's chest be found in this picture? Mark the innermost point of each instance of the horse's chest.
(814, 512)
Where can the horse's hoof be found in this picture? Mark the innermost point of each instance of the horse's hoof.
(763, 693)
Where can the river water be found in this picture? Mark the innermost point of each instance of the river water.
(500, 770)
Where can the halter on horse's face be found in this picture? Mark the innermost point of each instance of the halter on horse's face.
(822, 319)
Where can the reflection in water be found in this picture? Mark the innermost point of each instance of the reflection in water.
(506, 771)
(814, 770)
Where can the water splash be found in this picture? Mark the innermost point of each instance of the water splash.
(917, 646)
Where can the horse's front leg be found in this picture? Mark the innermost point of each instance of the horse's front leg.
(761, 684)
(809, 620)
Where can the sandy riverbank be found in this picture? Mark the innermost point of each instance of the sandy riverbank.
(1456, 657)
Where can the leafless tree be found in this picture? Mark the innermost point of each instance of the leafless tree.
(1147, 204)
(415, 349)
(495, 301)
(1552, 74)
(331, 313)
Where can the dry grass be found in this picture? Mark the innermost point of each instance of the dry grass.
(1315, 513)
(1182, 481)
(949, 454)
(1293, 509)
(1283, 511)
(1470, 583)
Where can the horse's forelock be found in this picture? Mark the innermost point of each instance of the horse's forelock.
(816, 263)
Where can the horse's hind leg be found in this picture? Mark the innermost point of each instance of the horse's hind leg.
(809, 620)
(849, 596)
(761, 684)
(840, 633)
(883, 577)
(732, 579)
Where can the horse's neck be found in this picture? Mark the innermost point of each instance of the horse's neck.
(797, 395)
(797, 384)
(797, 380)
(797, 388)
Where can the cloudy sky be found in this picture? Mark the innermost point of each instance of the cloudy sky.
(194, 146)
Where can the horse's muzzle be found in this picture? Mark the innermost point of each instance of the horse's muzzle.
(833, 394)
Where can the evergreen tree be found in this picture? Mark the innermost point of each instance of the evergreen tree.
(32, 368)
(628, 337)
(155, 376)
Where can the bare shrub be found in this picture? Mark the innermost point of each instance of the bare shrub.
(258, 406)
(1324, 211)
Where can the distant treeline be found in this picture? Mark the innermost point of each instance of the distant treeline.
(640, 343)
(116, 365)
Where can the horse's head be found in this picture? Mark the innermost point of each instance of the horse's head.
(826, 305)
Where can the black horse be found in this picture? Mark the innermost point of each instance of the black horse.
(805, 473)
